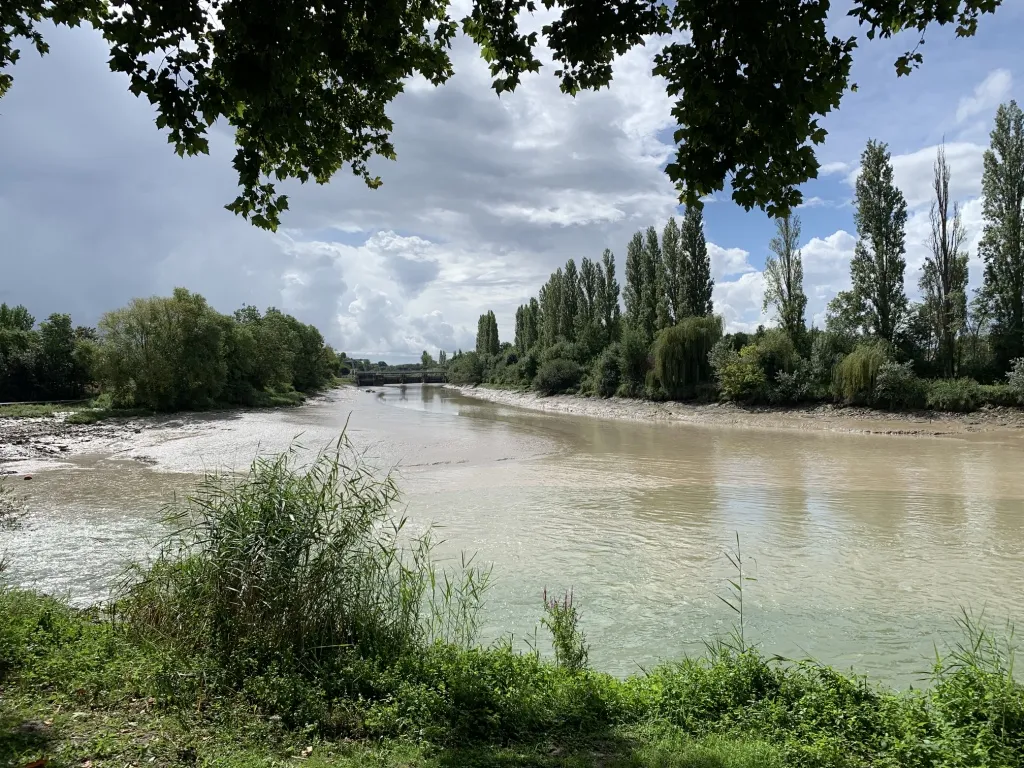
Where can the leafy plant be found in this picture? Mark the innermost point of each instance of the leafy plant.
(556, 376)
(853, 378)
(743, 379)
(562, 618)
(897, 387)
(957, 395)
(1015, 379)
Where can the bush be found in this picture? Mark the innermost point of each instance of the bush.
(278, 577)
(898, 387)
(557, 376)
(998, 395)
(681, 354)
(634, 362)
(827, 351)
(853, 379)
(605, 373)
(467, 368)
(563, 350)
(1015, 379)
(743, 379)
(957, 395)
(793, 387)
(776, 353)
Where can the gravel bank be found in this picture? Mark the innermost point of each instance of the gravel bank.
(828, 418)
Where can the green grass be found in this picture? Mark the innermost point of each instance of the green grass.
(30, 411)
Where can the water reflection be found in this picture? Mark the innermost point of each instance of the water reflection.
(863, 546)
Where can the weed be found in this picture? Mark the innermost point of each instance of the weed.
(562, 618)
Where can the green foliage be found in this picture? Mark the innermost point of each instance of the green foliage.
(776, 353)
(557, 376)
(827, 350)
(487, 335)
(606, 371)
(1002, 242)
(466, 368)
(741, 378)
(897, 387)
(696, 281)
(1015, 379)
(681, 354)
(634, 360)
(562, 619)
(792, 387)
(853, 378)
(958, 395)
(784, 277)
(178, 353)
(879, 260)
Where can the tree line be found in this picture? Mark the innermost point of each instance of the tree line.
(165, 353)
(948, 350)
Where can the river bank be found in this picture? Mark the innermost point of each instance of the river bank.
(824, 417)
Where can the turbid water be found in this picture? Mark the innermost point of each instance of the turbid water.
(864, 547)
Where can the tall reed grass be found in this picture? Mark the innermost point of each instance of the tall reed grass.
(295, 566)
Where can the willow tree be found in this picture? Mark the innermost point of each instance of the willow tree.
(944, 276)
(306, 84)
(784, 278)
(681, 354)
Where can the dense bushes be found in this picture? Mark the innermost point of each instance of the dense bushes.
(556, 376)
(165, 353)
(898, 387)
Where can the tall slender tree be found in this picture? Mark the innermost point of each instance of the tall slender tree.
(674, 259)
(633, 293)
(1002, 242)
(493, 343)
(533, 323)
(878, 259)
(655, 315)
(551, 306)
(570, 302)
(696, 281)
(784, 277)
(609, 297)
(944, 276)
(590, 274)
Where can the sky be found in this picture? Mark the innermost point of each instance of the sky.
(487, 197)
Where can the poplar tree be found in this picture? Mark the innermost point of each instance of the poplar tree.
(784, 277)
(1002, 242)
(878, 260)
(696, 282)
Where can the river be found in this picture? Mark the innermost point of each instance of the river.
(864, 547)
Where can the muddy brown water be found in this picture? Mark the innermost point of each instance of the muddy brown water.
(864, 547)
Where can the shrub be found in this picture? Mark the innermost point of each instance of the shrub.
(792, 387)
(827, 350)
(555, 376)
(776, 353)
(634, 362)
(1015, 379)
(605, 373)
(284, 573)
(743, 379)
(562, 350)
(681, 354)
(958, 395)
(722, 354)
(998, 394)
(467, 368)
(897, 387)
(853, 379)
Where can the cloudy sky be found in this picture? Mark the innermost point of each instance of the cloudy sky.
(487, 197)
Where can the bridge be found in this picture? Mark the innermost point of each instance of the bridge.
(382, 378)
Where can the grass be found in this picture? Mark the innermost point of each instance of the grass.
(291, 617)
(32, 410)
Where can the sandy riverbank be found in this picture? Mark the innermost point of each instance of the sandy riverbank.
(828, 418)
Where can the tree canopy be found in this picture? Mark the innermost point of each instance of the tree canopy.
(305, 83)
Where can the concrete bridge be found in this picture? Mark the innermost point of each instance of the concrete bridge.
(382, 378)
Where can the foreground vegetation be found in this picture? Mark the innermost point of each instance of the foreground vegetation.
(292, 615)
(877, 348)
(162, 354)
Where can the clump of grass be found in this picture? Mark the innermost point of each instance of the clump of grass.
(31, 410)
(300, 570)
(562, 618)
